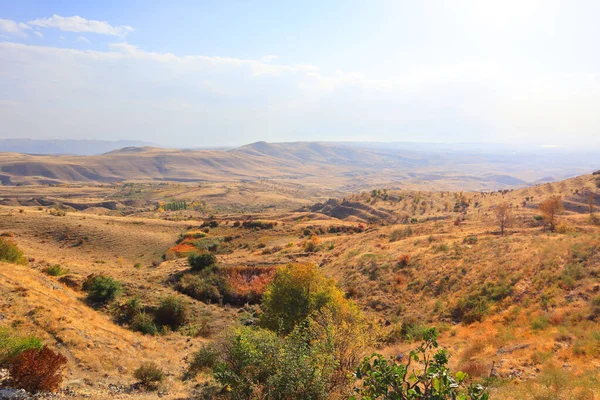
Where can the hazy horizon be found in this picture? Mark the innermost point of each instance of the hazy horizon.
(233, 73)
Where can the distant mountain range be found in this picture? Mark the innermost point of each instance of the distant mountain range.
(82, 147)
(331, 166)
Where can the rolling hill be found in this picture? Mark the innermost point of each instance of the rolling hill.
(311, 165)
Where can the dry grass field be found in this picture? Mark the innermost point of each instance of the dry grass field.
(523, 306)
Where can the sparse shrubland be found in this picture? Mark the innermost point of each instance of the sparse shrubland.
(523, 307)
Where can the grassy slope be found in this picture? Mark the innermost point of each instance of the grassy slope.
(540, 334)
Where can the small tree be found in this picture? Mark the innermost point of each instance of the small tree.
(296, 291)
(550, 209)
(504, 217)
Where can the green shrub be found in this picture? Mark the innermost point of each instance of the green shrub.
(198, 262)
(257, 362)
(470, 309)
(202, 360)
(13, 344)
(9, 252)
(203, 288)
(172, 312)
(144, 323)
(102, 289)
(381, 378)
(211, 224)
(137, 265)
(149, 375)
(208, 243)
(56, 270)
(258, 225)
(443, 247)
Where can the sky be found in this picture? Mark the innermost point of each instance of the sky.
(223, 73)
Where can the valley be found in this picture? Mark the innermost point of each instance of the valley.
(519, 307)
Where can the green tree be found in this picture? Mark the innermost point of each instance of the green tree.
(298, 290)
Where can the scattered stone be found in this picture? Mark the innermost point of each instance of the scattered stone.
(13, 394)
(510, 349)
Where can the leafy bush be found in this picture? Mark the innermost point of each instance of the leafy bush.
(9, 252)
(172, 312)
(391, 379)
(102, 289)
(211, 224)
(208, 243)
(202, 360)
(56, 270)
(144, 323)
(37, 370)
(12, 344)
(149, 375)
(470, 309)
(206, 287)
(258, 361)
(200, 261)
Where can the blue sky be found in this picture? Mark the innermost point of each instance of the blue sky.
(199, 73)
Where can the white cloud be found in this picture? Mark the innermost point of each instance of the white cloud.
(79, 24)
(82, 39)
(134, 93)
(38, 34)
(269, 58)
(13, 28)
